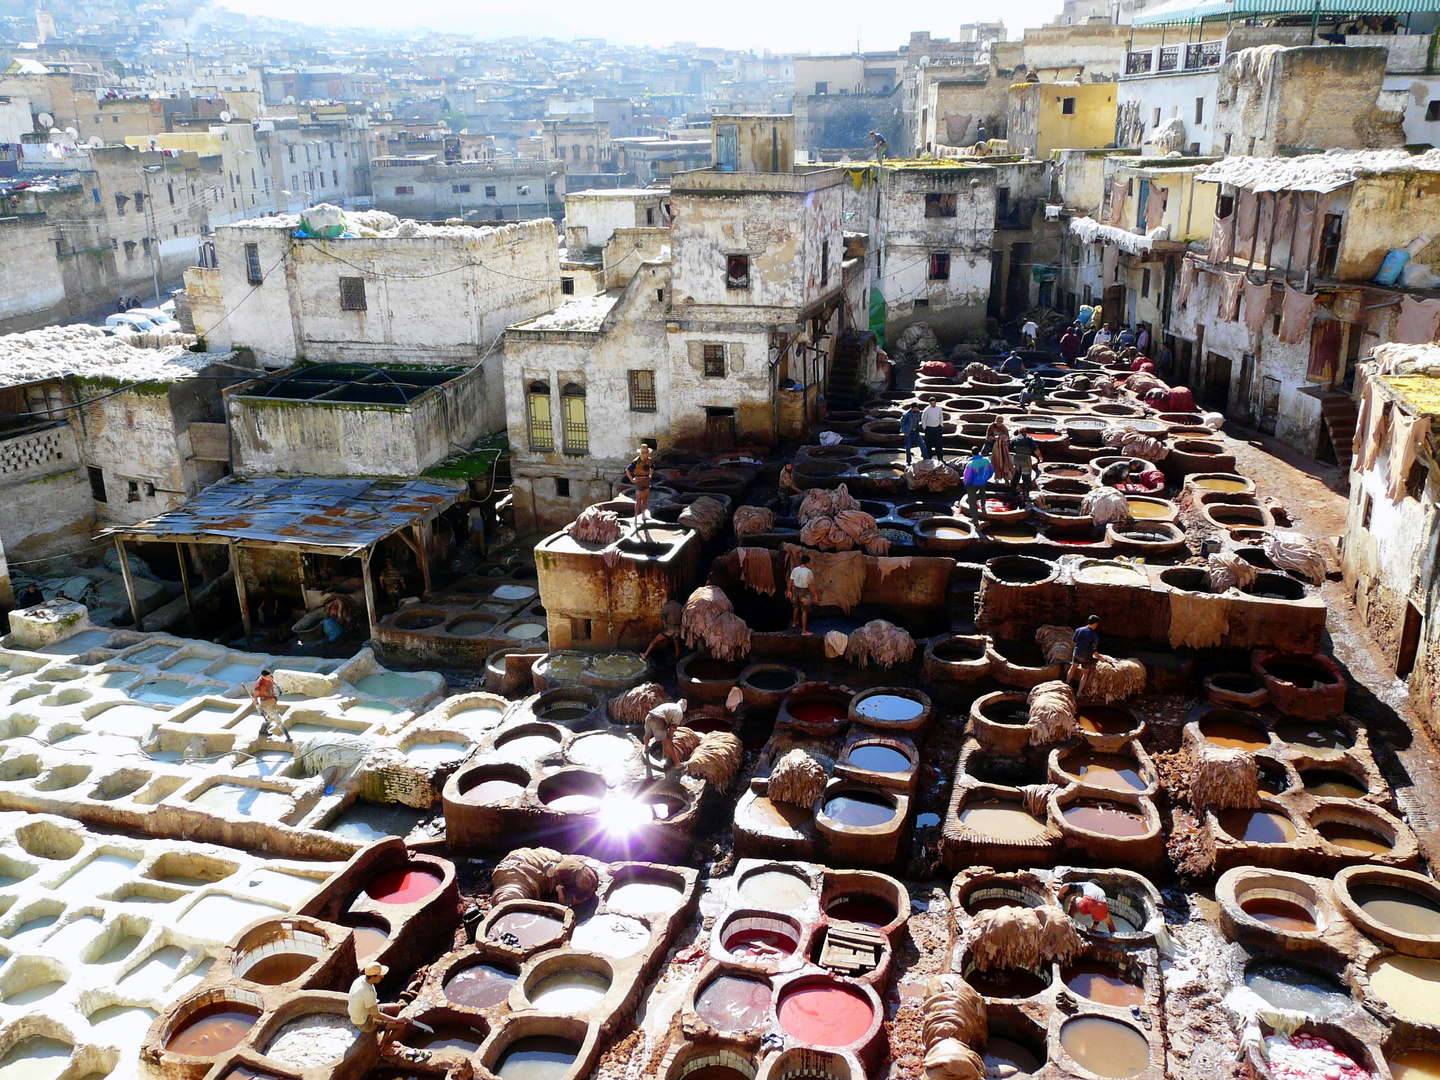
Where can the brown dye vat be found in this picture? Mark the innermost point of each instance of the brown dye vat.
(279, 968)
(1007, 1058)
(529, 928)
(1220, 483)
(1303, 676)
(1328, 739)
(1414, 1064)
(1001, 819)
(1279, 914)
(1112, 772)
(1106, 819)
(1353, 837)
(212, 1030)
(1402, 910)
(1234, 734)
(1257, 826)
(1332, 785)
(1103, 720)
(369, 938)
(1015, 712)
(1272, 781)
(1007, 982)
(1105, 1047)
(1103, 983)
(480, 986)
(447, 1037)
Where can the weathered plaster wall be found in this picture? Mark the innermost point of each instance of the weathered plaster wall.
(34, 285)
(1169, 96)
(46, 495)
(954, 107)
(1038, 122)
(1386, 212)
(591, 217)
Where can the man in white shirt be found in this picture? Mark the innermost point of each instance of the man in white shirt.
(1103, 335)
(364, 1006)
(931, 420)
(801, 591)
(1030, 332)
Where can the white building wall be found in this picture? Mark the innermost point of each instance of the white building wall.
(1418, 91)
(1174, 96)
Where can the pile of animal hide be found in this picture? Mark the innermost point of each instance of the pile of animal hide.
(1112, 679)
(757, 569)
(981, 373)
(1057, 643)
(860, 527)
(1052, 712)
(929, 475)
(940, 368)
(1213, 420)
(1223, 779)
(1105, 505)
(1134, 444)
(716, 759)
(705, 515)
(685, 740)
(635, 704)
(955, 1025)
(845, 530)
(1225, 570)
(835, 642)
(1104, 385)
(880, 643)
(1142, 382)
(1177, 399)
(1101, 354)
(1142, 482)
(797, 779)
(750, 520)
(709, 619)
(1291, 550)
(596, 526)
(826, 502)
(1023, 937)
(524, 874)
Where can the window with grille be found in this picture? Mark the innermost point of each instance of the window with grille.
(576, 430)
(642, 391)
(490, 191)
(737, 271)
(404, 189)
(940, 266)
(252, 265)
(714, 361)
(567, 286)
(352, 294)
(537, 414)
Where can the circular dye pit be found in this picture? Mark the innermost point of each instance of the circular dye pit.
(212, 1030)
(1106, 819)
(779, 890)
(733, 1004)
(644, 898)
(567, 992)
(1298, 989)
(1221, 483)
(1279, 914)
(564, 712)
(1234, 734)
(818, 711)
(860, 908)
(1402, 910)
(1320, 740)
(369, 939)
(1105, 720)
(480, 986)
(528, 746)
(1354, 837)
(1002, 819)
(572, 793)
(611, 935)
(279, 968)
(447, 1037)
(489, 792)
(309, 1041)
(761, 941)
(825, 1014)
(526, 631)
(1010, 1059)
(402, 885)
(1112, 772)
(888, 708)
(1332, 785)
(602, 750)
(1409, 985)
(1257, 826)
(537, 1057)
(528, 928)
(1103, 983)
(860, 809)
(1414, 1064)
(1013, 983)
(1105, 1047)
(878, 758)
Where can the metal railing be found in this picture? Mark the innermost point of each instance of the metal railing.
(1139, 63)
(1169, 58)
(1202, 55)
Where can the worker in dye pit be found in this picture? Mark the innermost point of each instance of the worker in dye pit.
(801, 590)
(1022, 456)
(1087, 642)
(1030, 333)
(641, 473)
(660, 723)
(670, 618)
(576, 881)
(266, 697)
(978, 472)
(29, 596)
(1117, 473)
(931, 419)
(910, 429)
(1086, 898)
(1013, 366)
(1034, 390)
(393, 582)
(366, 1012)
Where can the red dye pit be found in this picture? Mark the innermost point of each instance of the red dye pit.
(825, 1015)
(865, 910)
(401, 886)
(817, 712)
(760, 944)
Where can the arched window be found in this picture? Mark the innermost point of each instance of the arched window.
(537, 411)
(572, 411)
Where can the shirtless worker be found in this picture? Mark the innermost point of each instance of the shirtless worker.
(267, 702)
(671, 616)
(641, 473)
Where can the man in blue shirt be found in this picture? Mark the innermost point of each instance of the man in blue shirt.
(977, 475)
(1126, 338)
(910, 428)
(1087, 641)
(1013, 366)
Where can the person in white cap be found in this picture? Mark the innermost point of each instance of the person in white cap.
(366, 1012)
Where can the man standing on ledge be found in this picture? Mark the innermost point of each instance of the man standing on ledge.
(801, 591)
(641, 473)
(1087, 640)
(931, 420)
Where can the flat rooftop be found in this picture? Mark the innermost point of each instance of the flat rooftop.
(87, 352)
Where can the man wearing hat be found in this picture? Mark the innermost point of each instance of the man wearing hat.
(366, 1012)
(641, 472)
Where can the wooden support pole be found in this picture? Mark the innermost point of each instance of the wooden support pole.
(422, 537)
(180, 557)
(240, 592)
(369, 589)
(129, 585)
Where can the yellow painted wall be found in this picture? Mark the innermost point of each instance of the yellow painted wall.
(1091, 125)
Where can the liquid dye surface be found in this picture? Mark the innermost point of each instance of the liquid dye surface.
(1111, 772)
(567, 992)
(526, 631)
(279, 968)
(1102, 818)
(825, 1014)
(402, 886)
(733, 1004)
(1414, 1064)
(537, 1057)
(387, 684)
(1105, 1047)
(528, 747)
(1257, 826)
(602, 751)
(369, 940)
(771, 679)
(1332, 785)
(879, 758)
(1002, 820)
(1298, 989)
(432, 755)
(817, 712)
(211, 1030)
(84, 642)
(860, 810)
(644, 898)
(1100, 720)
(1409, 985)
(1233, 735)
(776, 889)
(447, 1037)
(563, 712)
(1279, 914)
(866, 910)
(573, 802)
(1012, 983)
(1399, 909)
(760, 943)
(480, 986)
(1008, 1059)
(368, 822)
(611, 935)
(889, 708)
(242, 801)
(1220, 483)
(1104, 983)
(529, 928)
(1353, 837)
(1321, 740)
(494, 791)
(1143, 509)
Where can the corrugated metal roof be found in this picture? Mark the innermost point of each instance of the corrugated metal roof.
(1184, 11)
(342, 515)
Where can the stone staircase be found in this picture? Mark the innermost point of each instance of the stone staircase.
(844, 369)
(1337, 413)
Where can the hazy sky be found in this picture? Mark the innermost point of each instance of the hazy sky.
(741, 24)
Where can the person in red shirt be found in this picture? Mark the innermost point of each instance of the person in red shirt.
(1070, 344)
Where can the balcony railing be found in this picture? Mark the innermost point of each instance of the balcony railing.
(1139, 63)
(1169, 58)
(1202, 55)
(1174, 58)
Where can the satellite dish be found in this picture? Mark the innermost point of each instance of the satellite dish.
(289, 99)
(95, 142)
(46, 120)
(72, 132)
(225, 117)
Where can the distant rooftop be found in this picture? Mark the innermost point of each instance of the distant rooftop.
(1316, 172)
(89, 353)
(585, 314)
